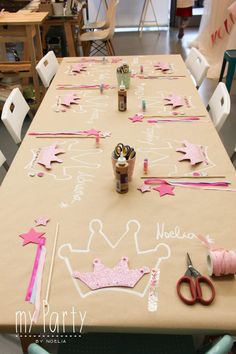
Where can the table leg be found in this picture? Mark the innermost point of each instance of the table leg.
(70, 39)
(30, 41)
(39, 49)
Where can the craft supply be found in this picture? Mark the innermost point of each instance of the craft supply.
(122, 185)
(104, 277)
(51, 265)
(220, 261)
(127, 151)
(144, 106)
(141, 69)
(193, 279)
(101, 88)
(145, 166)
(97, 141)
(176, 177)
(192, 152)
(122, 98)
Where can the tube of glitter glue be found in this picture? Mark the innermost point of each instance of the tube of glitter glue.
(97, 141)
(145, 166)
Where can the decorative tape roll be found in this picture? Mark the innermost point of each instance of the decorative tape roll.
(221, 262)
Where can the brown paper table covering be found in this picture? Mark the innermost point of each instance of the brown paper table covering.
(98, 222)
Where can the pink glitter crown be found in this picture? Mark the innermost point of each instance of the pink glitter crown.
(103, 277)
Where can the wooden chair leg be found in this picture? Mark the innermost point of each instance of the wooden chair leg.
(113, 51)
(108, 48)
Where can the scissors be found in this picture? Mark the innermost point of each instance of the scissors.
(194, 280)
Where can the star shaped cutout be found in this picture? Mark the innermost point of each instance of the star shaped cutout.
(164, 189)
(33, 236)
(91, 132)
(136, 118)
(41, 220)
(144, 188)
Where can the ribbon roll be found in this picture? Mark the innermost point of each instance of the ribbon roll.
(221, 262)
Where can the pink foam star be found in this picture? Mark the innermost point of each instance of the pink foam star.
(144, 188)
(33, 236)
(41, 221)
(174, 100)
(164, 189)
(136, 118)
(91, 132)
(162, 66)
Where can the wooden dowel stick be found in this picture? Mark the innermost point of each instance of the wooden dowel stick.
(52, 264)
(173, 116)
(177, 177)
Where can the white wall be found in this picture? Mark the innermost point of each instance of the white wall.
(129, 11)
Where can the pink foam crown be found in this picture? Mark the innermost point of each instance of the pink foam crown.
(103, 277)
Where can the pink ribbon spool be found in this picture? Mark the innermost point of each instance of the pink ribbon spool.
(221, 262)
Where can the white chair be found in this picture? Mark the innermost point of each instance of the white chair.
(95, 42)
(103, 23)
(3, 161)
(233, 157)
(47, 68)
(197, 65)
(14, 112)
(219, 105)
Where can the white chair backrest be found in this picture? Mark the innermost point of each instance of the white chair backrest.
(219, 105)
(14, 112)
(112, 17)
(2, 159)
(197, 65)
(47, 68)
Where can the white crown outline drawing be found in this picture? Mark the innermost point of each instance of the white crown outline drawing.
(113, 246)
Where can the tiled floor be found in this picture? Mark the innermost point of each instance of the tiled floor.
(131, 44)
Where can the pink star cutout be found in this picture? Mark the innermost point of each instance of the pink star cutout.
(164, 189)
(33, 236)
(91, 132)
(136, 118)
(144, 188)
(41, 221)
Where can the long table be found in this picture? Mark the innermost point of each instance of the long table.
(97, 222)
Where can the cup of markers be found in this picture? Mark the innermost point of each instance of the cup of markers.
(130, 155)
(123, 75)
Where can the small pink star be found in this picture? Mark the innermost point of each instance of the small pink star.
(136, 118)
(33, 236)
(164, 189)
(41, 221)
(144, 188)
(92, 132)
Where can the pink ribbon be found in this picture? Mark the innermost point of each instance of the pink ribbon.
(35, 268)
(223, 261)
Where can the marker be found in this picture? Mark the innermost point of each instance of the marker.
(101, 87)
(141, 69)
(144, 106)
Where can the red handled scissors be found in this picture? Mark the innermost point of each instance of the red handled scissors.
(194, 280)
